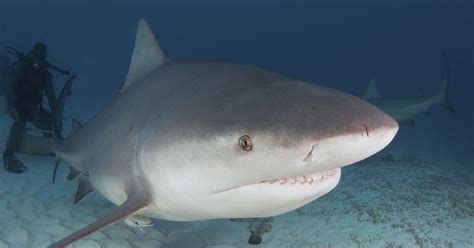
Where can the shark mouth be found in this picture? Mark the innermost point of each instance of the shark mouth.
(313, 182)
(315, 178)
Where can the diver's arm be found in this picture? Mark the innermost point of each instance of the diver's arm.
(64, 72)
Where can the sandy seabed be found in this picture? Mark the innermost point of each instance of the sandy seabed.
(378, 203)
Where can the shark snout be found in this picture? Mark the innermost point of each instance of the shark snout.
(348, 148)
(387, 127)
(381, 132)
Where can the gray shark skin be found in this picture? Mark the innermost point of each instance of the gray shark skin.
(198, 140)
(406, 109)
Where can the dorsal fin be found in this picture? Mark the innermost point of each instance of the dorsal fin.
(371, 91)
(147, 55)
(84, 187)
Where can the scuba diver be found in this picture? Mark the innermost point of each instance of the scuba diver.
(29, 81)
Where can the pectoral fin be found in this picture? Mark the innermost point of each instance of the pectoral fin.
(84, 187)
(133, 205)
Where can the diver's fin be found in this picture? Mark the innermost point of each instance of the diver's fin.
(84, 187)
(371, 90)
(73, 173)
(57, 161)
(133, 205)
(147, 55)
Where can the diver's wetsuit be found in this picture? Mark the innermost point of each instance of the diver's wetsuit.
(30, 79)
(26, 94)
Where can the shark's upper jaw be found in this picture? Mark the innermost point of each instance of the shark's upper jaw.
(312, 180)
(315, 178)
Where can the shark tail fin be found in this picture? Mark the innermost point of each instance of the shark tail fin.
(442, 94)
(132, 206)
(58, 113)
(371, 91)
(57, 120)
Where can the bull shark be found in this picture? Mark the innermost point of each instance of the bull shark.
(406, 109)
(200, 140)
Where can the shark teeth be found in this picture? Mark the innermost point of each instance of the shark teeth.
(308, 179)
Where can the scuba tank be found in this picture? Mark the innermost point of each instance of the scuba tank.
(27, 86)
(4, 70)
(4, 80)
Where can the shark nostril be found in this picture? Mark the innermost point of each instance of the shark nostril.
(366, 130)
(308, 157)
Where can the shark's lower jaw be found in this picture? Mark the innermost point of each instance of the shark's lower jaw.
(274, 196)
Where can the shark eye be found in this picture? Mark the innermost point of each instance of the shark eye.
(245, 143)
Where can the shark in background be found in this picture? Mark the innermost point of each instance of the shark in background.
(406, 109)
(199, 140)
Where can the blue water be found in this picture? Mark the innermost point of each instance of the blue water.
(341, 44)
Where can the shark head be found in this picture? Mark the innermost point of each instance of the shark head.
(247, 142)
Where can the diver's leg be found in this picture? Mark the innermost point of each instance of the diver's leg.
(43, 120)
(16, 136)
(10, 162)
